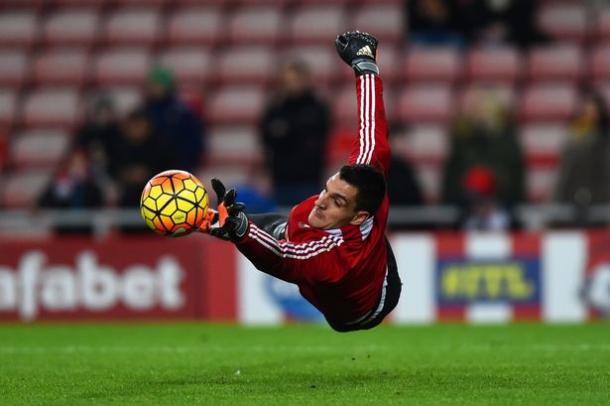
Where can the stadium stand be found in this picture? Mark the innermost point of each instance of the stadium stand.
(56, 54)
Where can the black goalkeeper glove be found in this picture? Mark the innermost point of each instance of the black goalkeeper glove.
(358, 50)
(229, 222)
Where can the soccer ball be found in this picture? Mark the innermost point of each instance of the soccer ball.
(174, 203)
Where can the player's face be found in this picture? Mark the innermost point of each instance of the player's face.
(336, 206)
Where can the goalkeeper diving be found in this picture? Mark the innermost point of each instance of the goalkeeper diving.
(332, 245)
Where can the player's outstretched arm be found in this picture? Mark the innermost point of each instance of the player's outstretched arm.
(371, 147)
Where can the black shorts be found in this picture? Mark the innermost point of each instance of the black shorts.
(275, 224)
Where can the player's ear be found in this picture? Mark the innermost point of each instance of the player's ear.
(359, 218)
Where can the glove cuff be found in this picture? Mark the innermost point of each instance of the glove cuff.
(365, 65)
(242, 226)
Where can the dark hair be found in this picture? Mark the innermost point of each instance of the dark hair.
(370, 184)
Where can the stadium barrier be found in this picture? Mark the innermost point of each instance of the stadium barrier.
(552, 277)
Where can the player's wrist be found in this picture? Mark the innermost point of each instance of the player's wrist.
(363, 66)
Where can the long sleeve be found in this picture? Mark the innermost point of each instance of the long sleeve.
(311, 261)
(371, 146)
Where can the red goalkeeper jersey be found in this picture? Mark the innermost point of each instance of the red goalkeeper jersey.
(340, 271)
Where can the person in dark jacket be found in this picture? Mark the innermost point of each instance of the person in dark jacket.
(181, 129)
(294, 129)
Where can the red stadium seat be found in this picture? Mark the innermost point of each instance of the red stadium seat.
(321, 60)
(61, 67)
(20, 4)
(494, 65)
(543, 142)
(256, 25)
(18, 28)
(548, 102)
(432, 65)
(82, 3)
(122, 66)
(426, 103)
(236, 105)
(344, 107)
(541, 183)
(553, 63)
(192, 66)
(8, 107)
(195, 26)
(51, 108)
(246, 65)
(141, 26)
(233, 144)
(600, 62)
(564, 21)
(22, 188)
(426, 144)
(72, 27)
(39, 148)
(146, 3)
(14, 68)
(384, 21)
(317, 24)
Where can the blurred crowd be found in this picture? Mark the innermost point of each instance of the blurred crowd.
(484, 173)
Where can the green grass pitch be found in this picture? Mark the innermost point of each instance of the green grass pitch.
(210, 364)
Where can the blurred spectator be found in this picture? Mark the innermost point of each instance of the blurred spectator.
(99, 136)
(584, 172)
(73, 187)
(496, 22)
(402, 183)
(483, 212)
(484, 134)
(140, 154)
(181, 128)
(433, 22)
(294, 131)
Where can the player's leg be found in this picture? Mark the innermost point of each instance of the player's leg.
(272, 223)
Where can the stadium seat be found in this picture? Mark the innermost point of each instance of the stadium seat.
(139, 26)
(548, 102)
(246, 65)
(195, 26)
(321, 60)
(192, 66)
(384, 21)
(72, 27)
(8, 107)
(432, 65)
(236, 105)
(541, 183)
(121, 66)
(256, 25)
(18, 28)
(427, 144)
(317, 24)
(556, 63)
(39, 148)
(600, 62)
(23, 4)
(543, 142)
(51, 107)
(22, 188)
(425, 103)
(139, 3)
(344, 107)
(564, 21)
(14, 68)
(61, 67)
(86, 3)
(494, 65)
(229, 144)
